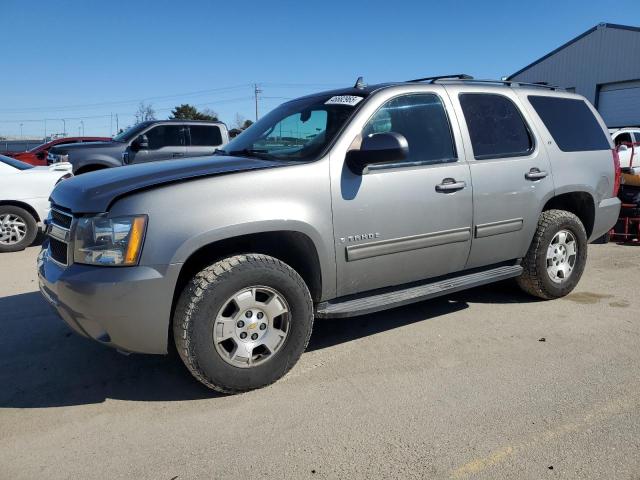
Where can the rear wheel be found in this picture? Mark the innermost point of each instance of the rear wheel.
(557, 256)
(243, 322)
(18, 228)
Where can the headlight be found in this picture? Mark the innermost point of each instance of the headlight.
(109, 241)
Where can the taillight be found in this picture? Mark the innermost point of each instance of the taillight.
(617, 172)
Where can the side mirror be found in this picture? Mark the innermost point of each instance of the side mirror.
(41, 155)
(376, 149)
(622, 148)
(141, 143)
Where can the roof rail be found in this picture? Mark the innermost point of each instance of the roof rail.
(516, 83)
(458, 76)
(470, 79)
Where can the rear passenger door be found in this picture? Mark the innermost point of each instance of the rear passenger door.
(203, 140)
(510, 172)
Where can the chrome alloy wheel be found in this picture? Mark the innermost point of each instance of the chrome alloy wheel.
(252, 326)
(561, 256)
(13, 229)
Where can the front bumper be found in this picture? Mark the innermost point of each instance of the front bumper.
(607, 213)
(128, 308)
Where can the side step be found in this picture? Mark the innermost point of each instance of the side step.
(384, 299)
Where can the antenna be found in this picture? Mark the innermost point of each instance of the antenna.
(360, 83)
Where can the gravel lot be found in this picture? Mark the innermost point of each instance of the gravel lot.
(487, 383)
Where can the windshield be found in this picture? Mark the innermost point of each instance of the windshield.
(37, 148)
(12, 162)
(297, 130)
(130, 133)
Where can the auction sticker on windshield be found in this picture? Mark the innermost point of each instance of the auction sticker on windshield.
(350, 100)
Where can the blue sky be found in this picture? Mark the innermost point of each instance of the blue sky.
(72, 59)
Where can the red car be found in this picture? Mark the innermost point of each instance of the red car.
(38, 155)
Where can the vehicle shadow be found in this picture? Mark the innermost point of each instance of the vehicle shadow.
(43, 364)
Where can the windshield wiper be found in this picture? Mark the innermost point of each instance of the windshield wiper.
(249, 152)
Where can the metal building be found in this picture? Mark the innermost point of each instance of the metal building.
(603, 64)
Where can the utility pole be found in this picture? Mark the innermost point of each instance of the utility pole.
(256, 91)
(111, 125)
(117, 125)
(21, 132)
(45, 130)
(64, 127)
(82, 124)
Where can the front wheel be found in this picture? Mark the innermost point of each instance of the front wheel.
(243, 322)
(557, 256)
(18, 228)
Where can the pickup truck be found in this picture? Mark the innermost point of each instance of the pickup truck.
(149, 141)
(333, 205)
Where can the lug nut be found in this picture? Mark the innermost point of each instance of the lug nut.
(248, 314)
(263, 326)
(254, 336)
(243, 335)
(240, 324)
(260, 315)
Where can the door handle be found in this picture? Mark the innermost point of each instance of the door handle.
(450, 185)
(535, 174)
(177, 155)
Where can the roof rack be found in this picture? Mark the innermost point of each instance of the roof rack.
(470, 79)
(458, 76)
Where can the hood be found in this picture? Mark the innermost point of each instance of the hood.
(94, 192)
(70, 147)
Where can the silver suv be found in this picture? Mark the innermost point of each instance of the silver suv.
(333, 205)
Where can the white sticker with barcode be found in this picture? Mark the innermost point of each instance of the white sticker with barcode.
(350, 100)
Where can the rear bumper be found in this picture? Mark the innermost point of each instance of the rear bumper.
(128, 308)
(606, 216)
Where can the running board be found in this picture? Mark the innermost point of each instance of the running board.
(362, 304)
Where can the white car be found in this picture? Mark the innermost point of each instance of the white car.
(627, 142)
(24, 200)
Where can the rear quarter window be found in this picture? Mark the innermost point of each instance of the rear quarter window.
(571, 123)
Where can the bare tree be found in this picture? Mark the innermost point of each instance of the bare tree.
(239, 121)
(145, 112)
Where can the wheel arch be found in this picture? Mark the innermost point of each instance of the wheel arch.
(91, 167)
(23, 205)
(294, 248)
(579, 202)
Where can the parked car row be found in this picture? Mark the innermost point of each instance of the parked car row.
(38, 155)
(332, 205)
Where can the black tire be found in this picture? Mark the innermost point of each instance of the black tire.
(31, 231)
(206, 294)
(535, 279)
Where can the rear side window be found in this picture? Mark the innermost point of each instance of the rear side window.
(496, 126)
(571, 123)
(205, 136)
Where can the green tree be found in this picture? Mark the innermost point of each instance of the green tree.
(247, 124)
(189, 112)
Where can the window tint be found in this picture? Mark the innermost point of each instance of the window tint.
(496, 126)
(298, 130)
(205, 136)
(623, 138)
(637, 135)
(165, 136)
(423, 121)
(571, 123)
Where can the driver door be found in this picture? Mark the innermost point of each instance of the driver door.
(395, 223)
(166, 142)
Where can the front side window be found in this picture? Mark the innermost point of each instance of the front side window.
(165, 136)
(496, 127)
(205, 136)
(297, 130)
(422, 120)
(571, 123)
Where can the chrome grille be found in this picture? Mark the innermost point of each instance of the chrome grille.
(58, 232)
(61, 219)
(58, 250)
